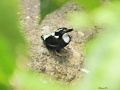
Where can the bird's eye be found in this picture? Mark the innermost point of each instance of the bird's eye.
(63, 29)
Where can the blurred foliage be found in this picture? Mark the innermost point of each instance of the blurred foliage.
(88, 5)
(103, 51)
(102, 55)
(48, 6)
(12, 69)
(79, 20)
(102, 15)
(103, 61)
(10, 39)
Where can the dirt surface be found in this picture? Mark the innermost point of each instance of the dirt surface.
(67, 67)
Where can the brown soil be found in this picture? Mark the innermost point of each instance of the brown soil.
(42, 60)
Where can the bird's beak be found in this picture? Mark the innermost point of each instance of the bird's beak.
(42, 37)
(69, 30)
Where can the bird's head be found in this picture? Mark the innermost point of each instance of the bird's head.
(61, 31)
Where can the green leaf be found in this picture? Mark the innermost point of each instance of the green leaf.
(10, 38)
(103, 61)
(3, 87)
(48, 6)
(89, 4)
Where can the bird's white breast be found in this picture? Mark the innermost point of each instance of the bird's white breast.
(66, 38)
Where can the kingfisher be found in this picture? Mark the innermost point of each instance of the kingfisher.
(57, 40)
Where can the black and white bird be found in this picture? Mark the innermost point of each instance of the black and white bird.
(57, 40)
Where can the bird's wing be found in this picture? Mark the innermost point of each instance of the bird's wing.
(52, 41)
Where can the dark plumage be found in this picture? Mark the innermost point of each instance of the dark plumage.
(58, 39)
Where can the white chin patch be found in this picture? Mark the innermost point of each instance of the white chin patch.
(66, 38)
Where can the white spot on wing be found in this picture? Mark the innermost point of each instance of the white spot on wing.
(46, 36)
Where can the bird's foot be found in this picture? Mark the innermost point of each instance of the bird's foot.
(58, 53)
(65, 49)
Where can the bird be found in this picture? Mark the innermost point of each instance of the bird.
(57, 40)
